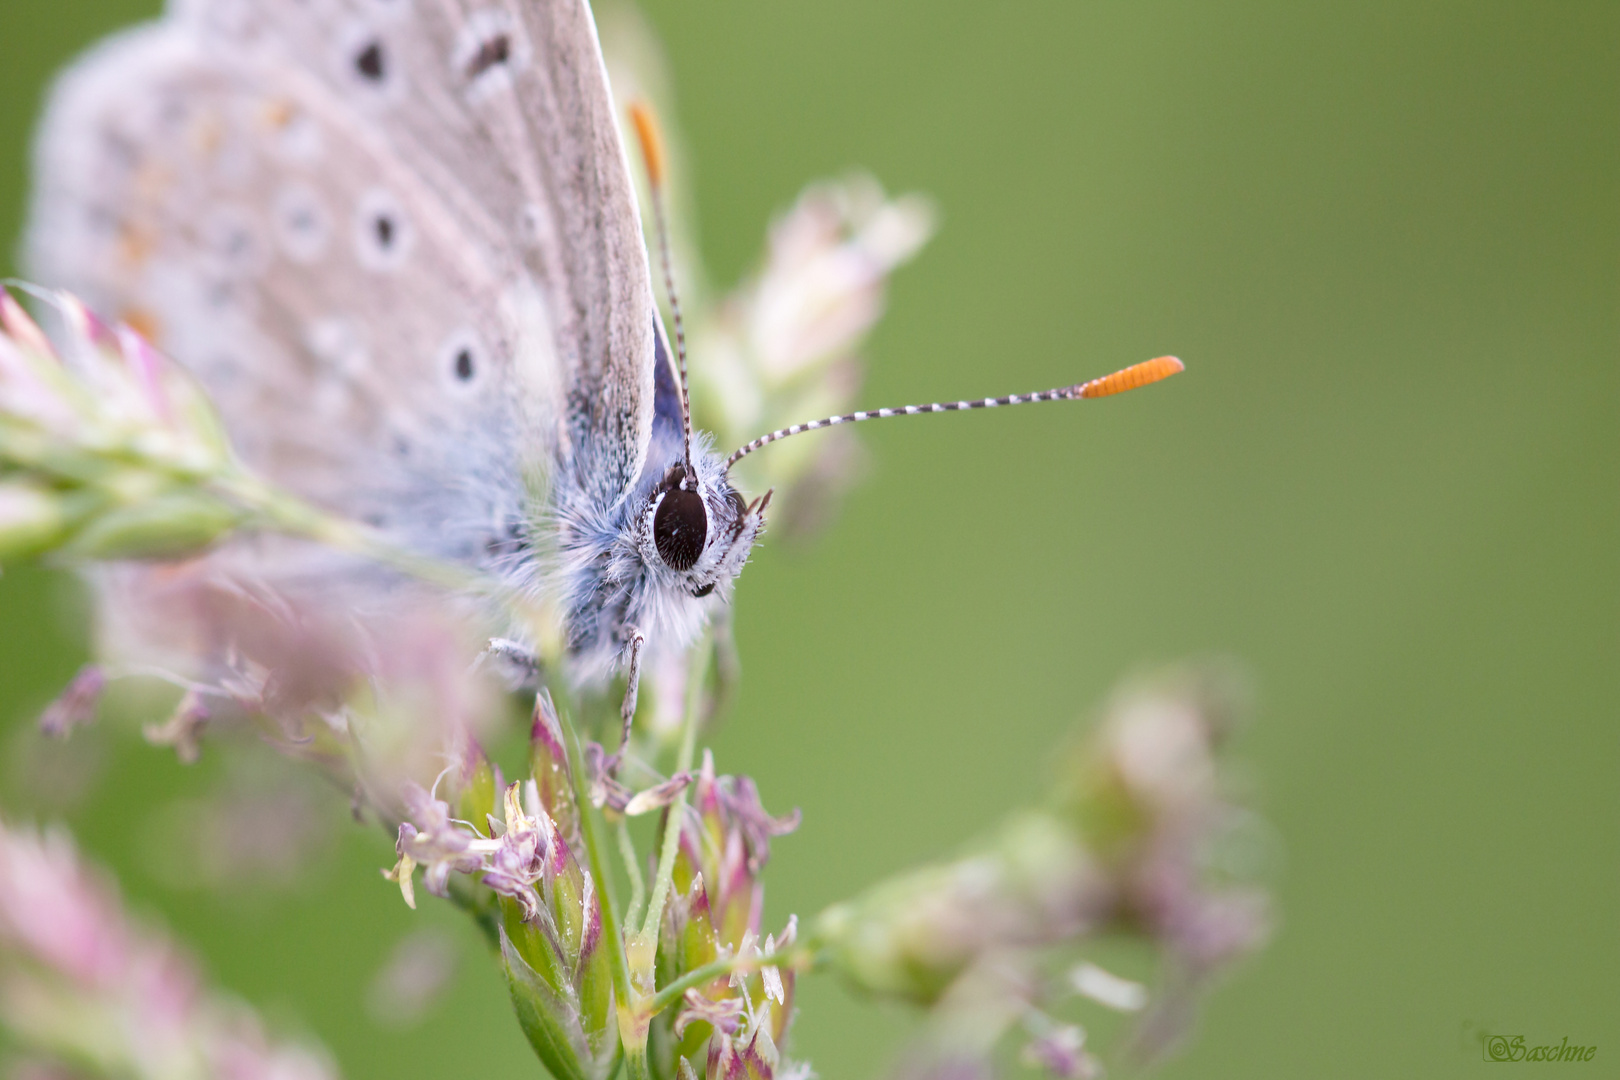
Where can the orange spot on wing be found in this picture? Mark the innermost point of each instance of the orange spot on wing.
(152, 180)
(1148, 371)
(278, 114)
(135, 243)
(651, 139)
(207, 134)
(143, 322)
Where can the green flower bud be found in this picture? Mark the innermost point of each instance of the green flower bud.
(910, 937)
(551, 941)
(1123, 844)
(549, 766)
(724, 845)
(31, 519)
(477, 798)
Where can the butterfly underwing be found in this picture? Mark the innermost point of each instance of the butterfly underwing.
(398, 243)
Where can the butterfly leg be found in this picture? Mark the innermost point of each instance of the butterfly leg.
(627, 711)
(519, 663)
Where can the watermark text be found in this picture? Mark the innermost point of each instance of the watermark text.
(1514, 1048)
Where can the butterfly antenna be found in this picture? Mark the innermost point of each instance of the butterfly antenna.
(1149, 371)
(651, 138)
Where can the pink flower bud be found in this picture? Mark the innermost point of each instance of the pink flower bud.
(77, 704)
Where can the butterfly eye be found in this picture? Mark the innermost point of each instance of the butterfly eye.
(680, 526)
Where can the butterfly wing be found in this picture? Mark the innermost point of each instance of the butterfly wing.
(397, 242)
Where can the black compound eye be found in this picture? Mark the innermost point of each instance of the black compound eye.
(680, 526)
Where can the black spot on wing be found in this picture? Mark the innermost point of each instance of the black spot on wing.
(493, 50)
(384, 235)
(371, 62)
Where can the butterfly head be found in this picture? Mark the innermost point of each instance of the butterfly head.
(696, 529)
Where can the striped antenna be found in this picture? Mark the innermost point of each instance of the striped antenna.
(1149, 371)
(652, 153)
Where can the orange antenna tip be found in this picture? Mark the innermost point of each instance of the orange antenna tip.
(651, 139)
(1148, 371)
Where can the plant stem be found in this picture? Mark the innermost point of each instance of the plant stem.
(636, 1063)
(287, 514)
(632, 867)
(294, 516)
(642, 948)
(672, 823)
(668, 995)
(484, 916)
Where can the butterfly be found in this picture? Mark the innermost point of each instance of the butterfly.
(399, 244)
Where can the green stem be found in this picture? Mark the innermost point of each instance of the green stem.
(632, 867)
(636, 1063)
(484, 916)
(672, 823)
(643, 947)
(285, 513)
(798, 959)
(346, 536)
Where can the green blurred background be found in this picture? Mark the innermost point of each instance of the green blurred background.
(1386, 239)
